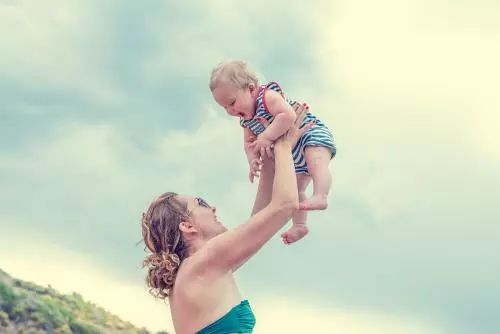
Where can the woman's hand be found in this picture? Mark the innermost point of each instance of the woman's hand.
(295, 132)
(293, 135)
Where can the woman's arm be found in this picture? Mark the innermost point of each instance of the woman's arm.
(264, 193)
(227, 250)
(248, 138)
(264, 190)
(230, 249)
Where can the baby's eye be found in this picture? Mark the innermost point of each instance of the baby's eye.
(232, 103)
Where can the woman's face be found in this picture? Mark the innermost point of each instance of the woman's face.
(203, 216)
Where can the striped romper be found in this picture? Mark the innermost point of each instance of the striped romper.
(319, 135)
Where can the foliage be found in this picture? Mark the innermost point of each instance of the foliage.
(31, 309)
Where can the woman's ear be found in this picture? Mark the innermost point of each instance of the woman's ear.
(187, 227)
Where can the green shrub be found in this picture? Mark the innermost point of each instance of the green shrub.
(83, 327)
(22, 310)
(54, 311)
(31, 331)
(63, 330)
(7, 297)
(4, 319)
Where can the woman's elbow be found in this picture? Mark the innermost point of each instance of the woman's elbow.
(288, 205)
(293, 204)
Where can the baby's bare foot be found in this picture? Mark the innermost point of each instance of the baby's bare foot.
(315, 202)
(294, 233)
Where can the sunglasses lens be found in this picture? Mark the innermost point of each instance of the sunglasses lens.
(201, 202)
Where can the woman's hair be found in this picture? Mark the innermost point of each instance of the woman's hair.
(161, 234)
(235, 72)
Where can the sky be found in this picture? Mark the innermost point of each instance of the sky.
(106, 105)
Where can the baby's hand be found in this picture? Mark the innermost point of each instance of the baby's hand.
(255, 167)
(262, 146)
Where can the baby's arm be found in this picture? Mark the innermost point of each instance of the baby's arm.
(283, 113)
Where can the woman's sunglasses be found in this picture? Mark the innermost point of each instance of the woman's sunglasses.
(201, 202)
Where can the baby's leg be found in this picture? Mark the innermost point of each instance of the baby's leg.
(317, 159)
(299, 228)
(265, 189)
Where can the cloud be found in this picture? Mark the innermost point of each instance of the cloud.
(140, 67)
(95, 180)
(396, 60)
(48, 58)
(290, 315)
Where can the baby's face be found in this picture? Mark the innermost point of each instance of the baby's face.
(238, 102)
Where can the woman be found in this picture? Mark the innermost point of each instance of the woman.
(194, 256)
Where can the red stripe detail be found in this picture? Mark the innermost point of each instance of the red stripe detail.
(262, 87)
(264, 102)
(264, 94)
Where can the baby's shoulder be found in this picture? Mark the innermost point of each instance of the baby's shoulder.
(273, 86)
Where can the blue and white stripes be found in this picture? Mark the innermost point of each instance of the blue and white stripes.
(319, 135)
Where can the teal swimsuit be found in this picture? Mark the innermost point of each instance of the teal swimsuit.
(239, 319)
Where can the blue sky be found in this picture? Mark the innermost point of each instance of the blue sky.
(104, 106)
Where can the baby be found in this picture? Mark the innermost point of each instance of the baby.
(236, 88)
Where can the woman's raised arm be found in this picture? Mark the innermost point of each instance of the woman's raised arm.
(230, 249)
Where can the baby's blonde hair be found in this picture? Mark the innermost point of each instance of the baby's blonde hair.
(235, 72)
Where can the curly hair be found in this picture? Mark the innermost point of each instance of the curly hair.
(235, 72)
(162, 237)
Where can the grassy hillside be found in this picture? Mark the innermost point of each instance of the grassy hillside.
(31, 309)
